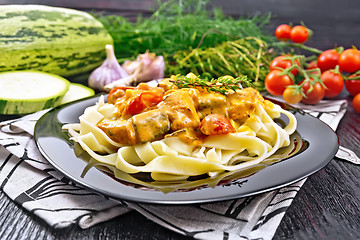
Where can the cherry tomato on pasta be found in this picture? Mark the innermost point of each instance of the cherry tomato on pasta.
(356, 102)
(334, 83)
(353, 86)
(143, 101)
(216, 124)
(282, 62)
(282, 32)
(276, 82)
(291, 96)
(349, 60)
(313, 97)
(299, 34)
(135, 106)
(328, 60)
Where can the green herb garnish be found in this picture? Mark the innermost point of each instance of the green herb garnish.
(221, 85)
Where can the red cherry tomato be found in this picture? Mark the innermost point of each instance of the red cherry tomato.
(135, 106)
(276, 82)
(356, 103)
(313, 97)
(282, 32)
(312, 65)
(353, 86)
(280, 62)
(349, 60)
(334, 83)
(299, 34)
(216, 124)
(143, 101)
(328, 60)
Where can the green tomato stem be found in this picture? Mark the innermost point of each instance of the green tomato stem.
(297, 45)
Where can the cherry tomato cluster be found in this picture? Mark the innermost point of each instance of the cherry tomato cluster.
(296, 78)
(348, 63)
(297, 34)
(289, 78)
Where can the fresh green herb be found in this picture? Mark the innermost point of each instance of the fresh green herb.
(194, 39)
(179, 25)
(221, 85)
(244, 57)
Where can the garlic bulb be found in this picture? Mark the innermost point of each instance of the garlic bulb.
(109, 71)
(146, 67)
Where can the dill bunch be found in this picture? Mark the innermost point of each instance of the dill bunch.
(180, 25)
(194, 37)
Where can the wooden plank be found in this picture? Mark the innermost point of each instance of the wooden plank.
(327, 206)
(334, 24)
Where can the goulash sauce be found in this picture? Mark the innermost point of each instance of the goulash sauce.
(145, 113)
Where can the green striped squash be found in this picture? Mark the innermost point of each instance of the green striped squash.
(23, 92)
(57, 40)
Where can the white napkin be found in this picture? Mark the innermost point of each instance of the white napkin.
(28, 179)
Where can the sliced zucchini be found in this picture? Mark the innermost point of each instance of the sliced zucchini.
(23, 92)
(77, 91)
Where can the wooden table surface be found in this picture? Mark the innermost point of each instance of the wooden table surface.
(326, 207)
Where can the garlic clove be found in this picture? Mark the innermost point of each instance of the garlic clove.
(130, 66)
(155, 70)
(109, 71)
(146, 67)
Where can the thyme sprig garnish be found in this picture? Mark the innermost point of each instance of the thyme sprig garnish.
(221, 85)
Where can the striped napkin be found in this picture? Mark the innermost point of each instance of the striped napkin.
(29, 180)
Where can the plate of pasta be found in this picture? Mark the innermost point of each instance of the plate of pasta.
(176, 143)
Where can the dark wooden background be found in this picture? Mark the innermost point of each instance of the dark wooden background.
(327, 206)
(335, 23)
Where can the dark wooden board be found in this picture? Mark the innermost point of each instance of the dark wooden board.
(327, 206)
(335, 23)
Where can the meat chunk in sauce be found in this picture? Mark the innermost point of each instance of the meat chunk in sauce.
(150, 125)
(211, 103)
(242, 104)
(121, 131)
(180, 107)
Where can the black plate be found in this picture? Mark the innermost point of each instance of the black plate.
(55, 146)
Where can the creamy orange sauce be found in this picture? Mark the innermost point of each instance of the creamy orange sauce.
(149, 113)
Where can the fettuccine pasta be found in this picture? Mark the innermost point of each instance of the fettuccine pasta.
(181, 138)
